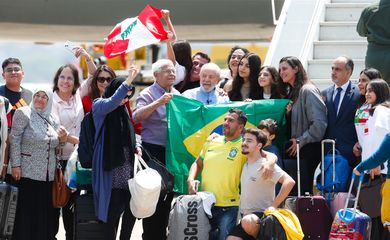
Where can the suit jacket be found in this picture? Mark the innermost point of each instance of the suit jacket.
(341, 127)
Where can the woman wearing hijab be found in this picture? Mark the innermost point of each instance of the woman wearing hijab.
(35, 134)
(113, 157)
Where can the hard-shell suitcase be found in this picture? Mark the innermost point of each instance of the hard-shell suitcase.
(312, 211)
(350, 223)
(8, 201)
(334, 199)
(86, 224)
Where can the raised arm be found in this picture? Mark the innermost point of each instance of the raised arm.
(85, 86)
(171, 35)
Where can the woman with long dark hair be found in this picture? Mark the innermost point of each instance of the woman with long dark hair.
(245, 85)
(271, 86)
(308, 118)
(233, 59)
(362, 113)
(374, 131)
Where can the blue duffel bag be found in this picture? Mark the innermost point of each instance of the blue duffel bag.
(343, 173)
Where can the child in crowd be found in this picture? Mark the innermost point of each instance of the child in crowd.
(270, 128)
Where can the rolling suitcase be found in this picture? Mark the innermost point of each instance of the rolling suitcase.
(312, 211)
(86, 224)
(8, 201)
(350, 223)
(329, 188)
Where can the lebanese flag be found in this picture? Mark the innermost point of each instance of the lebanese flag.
(136, 32)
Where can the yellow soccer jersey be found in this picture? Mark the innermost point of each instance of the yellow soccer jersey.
(222, 167)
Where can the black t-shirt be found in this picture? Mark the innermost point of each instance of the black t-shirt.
(17, 99)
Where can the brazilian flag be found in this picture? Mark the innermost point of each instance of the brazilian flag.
(190, 123)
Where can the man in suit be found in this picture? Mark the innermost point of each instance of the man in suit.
(341, 100)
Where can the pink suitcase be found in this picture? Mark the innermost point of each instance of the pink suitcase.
(350, 223)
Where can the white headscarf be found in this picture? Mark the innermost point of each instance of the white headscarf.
(46, 112)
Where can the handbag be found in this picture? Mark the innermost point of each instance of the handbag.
(370, 199)
(84, 176)
(167, 178)
(144, 188)
(60, 191)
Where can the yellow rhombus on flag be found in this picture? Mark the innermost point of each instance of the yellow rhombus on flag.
(190, 123)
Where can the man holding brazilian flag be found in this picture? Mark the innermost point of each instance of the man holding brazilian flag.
(190, 123)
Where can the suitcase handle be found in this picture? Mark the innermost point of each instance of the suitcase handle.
(350, 192)
(333, 142)
(298, 169)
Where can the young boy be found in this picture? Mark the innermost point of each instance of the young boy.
(270, 128)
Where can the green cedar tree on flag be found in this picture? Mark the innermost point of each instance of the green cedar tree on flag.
(190, 123)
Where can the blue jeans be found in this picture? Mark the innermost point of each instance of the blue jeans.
(223, 221)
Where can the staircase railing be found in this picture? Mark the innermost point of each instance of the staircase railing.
(313, 32)
(279, 27)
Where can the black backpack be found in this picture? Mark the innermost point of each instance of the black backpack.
(86, 140)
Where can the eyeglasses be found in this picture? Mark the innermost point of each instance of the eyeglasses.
(103, 79)
(44, 97)
(14, 69)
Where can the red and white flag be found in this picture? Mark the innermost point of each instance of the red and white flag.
(136, 32)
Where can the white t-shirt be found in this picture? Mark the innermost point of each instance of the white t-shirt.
(378, 127)
(180, 73)
(257, 194)
(361, 126)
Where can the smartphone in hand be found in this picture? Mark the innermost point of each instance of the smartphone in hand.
(70, 46)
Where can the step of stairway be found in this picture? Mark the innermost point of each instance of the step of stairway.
(333, 49)
(353, 1)
(339, 31)
(344, 11)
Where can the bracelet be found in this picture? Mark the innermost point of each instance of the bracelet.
(5, 165)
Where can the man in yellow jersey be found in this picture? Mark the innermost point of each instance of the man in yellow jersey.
(221, 162)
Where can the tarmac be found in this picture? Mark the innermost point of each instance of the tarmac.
(136, 234)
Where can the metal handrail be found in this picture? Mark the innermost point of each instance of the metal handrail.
(312, 30)
(274, 12)
(278, 30)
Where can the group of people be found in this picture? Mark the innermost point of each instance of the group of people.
(43, 128)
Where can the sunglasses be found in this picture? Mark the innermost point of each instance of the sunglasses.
(104, 79)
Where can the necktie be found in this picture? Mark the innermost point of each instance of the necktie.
(336, 100)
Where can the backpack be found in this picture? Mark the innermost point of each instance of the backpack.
(270, 228)
(343, 171)
(188, 219)
(86, 140)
